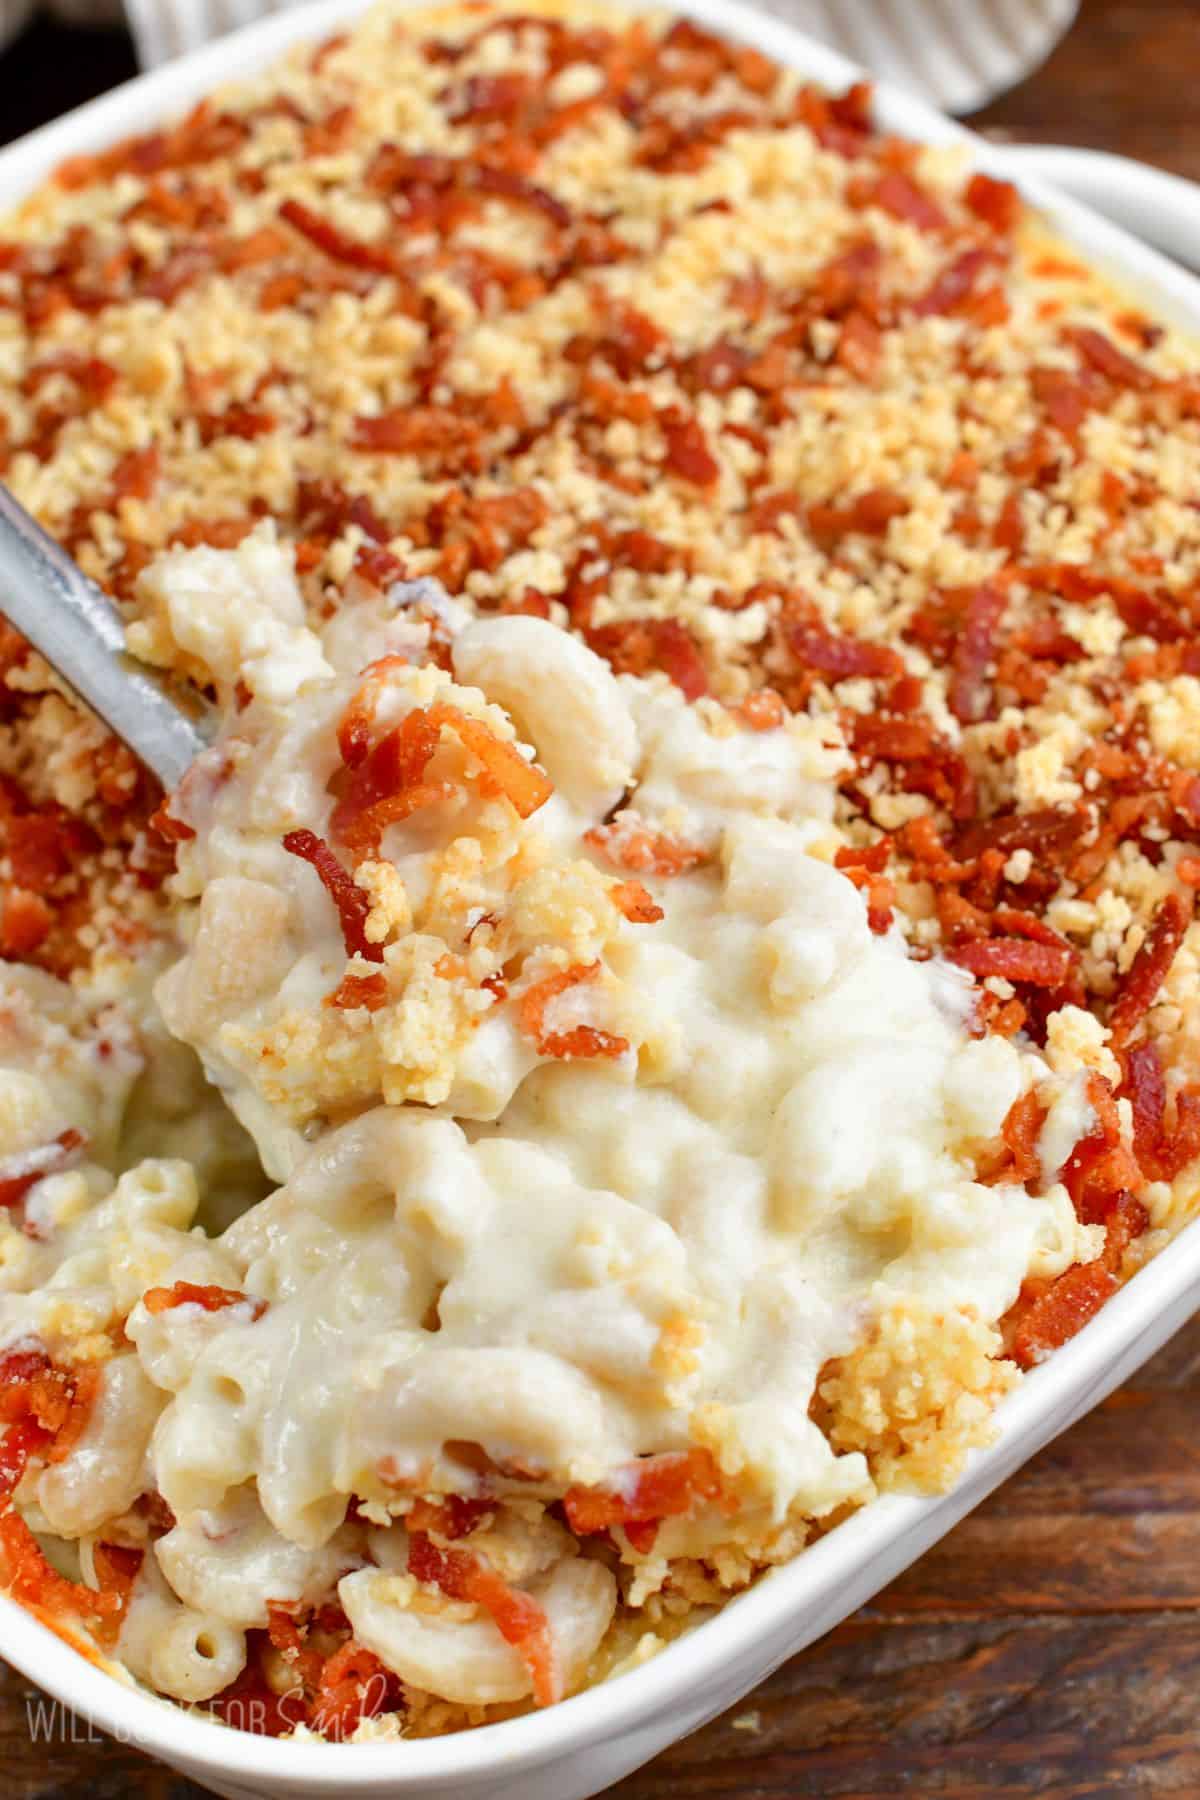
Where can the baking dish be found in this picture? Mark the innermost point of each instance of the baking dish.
(594, 1739)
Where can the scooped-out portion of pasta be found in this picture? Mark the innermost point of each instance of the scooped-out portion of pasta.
(613, 1130)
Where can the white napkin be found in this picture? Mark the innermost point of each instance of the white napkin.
(957, 53)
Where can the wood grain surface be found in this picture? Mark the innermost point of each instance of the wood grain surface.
(1051, 1645)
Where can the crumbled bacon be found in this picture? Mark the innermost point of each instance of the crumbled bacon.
(871, 514)
(422, 431)
(209, 1298)
(632, 899)
(353, 1685)
(1103, 356)
(580, 1040)
(841, 658)
(1041, 965)
(379, 258)
(973, 652)
(764, 710)
(634, 646)
(386, 783)
(450, 1516)
(505, 184)
(369, 991)
(673, 1484)
(505, 771)
(952, 289)
(900, 196)
(688, 453)
(518, 1618)
(351, 902)
(997, 203)
(633, 846)
(1047, 1319)
(44, 1410)
(1020, 1132)
(1149, 969)
(25, 924)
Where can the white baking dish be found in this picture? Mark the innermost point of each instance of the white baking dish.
(578, 1748)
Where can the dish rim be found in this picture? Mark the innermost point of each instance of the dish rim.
(840, 1571)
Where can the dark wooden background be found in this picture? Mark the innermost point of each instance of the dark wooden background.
(1051, 1645)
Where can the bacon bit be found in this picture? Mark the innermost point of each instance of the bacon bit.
(842, 658)
(997, 203)
(493, 99)
(1008, 533)
(644, 851)
(1064, 400)
(1100, 1168)
(1146, 1086)
(354, 991)
(1103, 356)
(135, 475)
(1149, 969)
(45, 1410)
(117, 1567)
(632, 646)
(631, 898)
(354, 1685)
(452, 1516)
(973, 652)
(873, 858)
(860, 347)
(929, 764)
(1187, 869)
(522, 784)
(421, 431)
(35, 1165)
(954, 286)
(870, 514)
(31, 1580)
(1046, 1320)
(504, 184)
(1041, 965)
(1015, 923)
(236, 421)
(519, 1619)
(1054, 1316)
(168, 827)
(287, 1636)
(387, 782)
(998, 1018)
(379, 258)
(352, 904)
(671, 1485)
(764, 710)
(210, 1298)
(324, 509)
(1020, 1131)
(901, 197)
(688, 454)
(24, 925)
(581, 1040)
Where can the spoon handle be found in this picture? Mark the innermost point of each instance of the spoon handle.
(78, 630)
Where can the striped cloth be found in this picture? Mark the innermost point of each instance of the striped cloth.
(957, 53)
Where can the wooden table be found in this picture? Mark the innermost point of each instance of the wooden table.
(1051, 1645)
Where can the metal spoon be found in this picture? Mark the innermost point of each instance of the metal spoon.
(78, 630)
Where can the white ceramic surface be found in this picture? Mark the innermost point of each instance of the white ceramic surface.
(580, 1747)
(957, 53)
